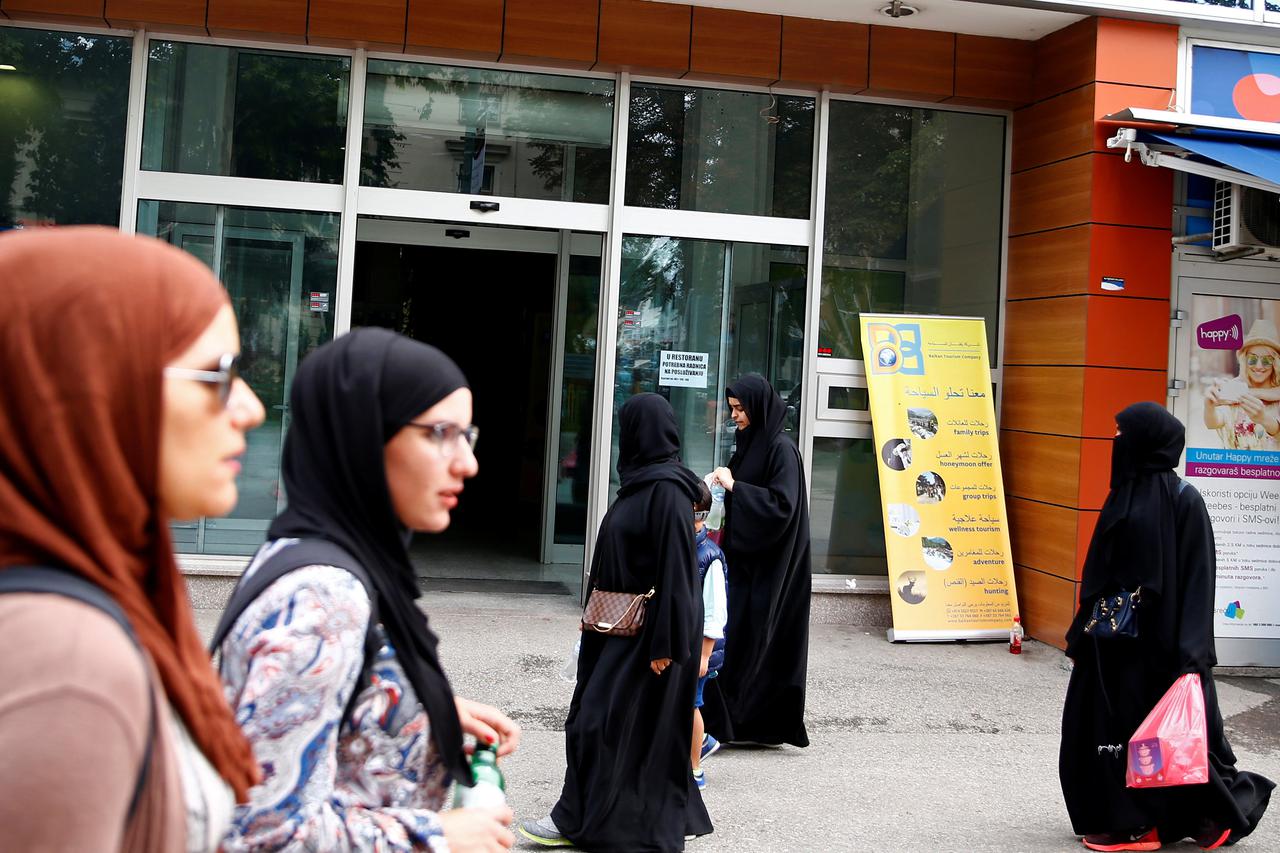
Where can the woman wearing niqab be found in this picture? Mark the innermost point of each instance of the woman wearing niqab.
(766, 543)
(628, 785)
(1153, 533)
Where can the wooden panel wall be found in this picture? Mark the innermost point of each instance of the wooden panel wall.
(1076, 354)
(665, 39)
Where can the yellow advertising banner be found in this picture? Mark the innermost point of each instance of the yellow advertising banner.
(945, 527)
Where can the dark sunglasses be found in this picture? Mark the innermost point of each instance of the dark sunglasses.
(223, 378)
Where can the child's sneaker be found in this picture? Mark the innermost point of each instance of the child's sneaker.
(700, 778)
(544, 832)
(709, 746)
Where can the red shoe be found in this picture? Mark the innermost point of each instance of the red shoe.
(1110, 841)
(1212, 839)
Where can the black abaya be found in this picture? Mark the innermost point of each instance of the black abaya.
(628, 784)
(761, 688)
(1116, 683)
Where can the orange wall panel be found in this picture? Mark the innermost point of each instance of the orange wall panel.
(185, 15)
(833, 54)
(1049, 263)
(1046, 604)
(233, 18)
(1143, 257)
(375, 23)
(1053, 129)
(1043, 468)
(1065, 59)
(1130, 333)
(470, 29)
(1043, 536)
(732, 45)
(993, 70)
(1042, 399)
(643, 36)
(1108, 390)
(1046, 331)
(1131, 193)
(1112, 97)
(1140, 53)
(560, 30)
(86, 11)
(919, 64)
(1095, 472)
(1052, 196)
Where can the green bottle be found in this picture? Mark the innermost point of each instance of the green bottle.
(489, 790)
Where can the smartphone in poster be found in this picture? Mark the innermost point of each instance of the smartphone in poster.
(1233, 454)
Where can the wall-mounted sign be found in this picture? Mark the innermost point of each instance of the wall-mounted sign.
(1112, 283)
(319, 301)
(1232, 83)
(683, 369)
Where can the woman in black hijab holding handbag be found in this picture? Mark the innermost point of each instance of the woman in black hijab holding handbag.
(629, 783)
(1154, 538)
(766, 543)
(331, 667)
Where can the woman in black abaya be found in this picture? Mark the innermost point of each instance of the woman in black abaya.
(629, 785)
(766, 543)
(1154, 532)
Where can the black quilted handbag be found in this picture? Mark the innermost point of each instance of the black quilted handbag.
(1115, 616)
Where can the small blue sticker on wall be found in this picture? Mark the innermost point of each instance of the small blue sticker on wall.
(1109, 283)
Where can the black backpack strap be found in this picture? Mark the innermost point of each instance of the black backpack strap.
(298, 555)
(48, 580)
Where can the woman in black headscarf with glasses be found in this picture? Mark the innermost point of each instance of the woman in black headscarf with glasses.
(766, 543)
(629, 784)
(1154, 535)
(332, 669)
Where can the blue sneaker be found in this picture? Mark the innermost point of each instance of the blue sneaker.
(709, 746)
(700, 778)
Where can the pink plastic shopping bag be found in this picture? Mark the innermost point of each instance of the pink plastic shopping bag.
(1171, 746)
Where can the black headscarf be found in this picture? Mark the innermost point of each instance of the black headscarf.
(1134, 543)
(766, 411)
(649, 446)
(349, 398)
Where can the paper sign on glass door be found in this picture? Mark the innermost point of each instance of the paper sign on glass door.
(683, 369)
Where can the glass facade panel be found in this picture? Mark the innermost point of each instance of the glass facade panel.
(913, 218)
(720, 151)
(483, 132)
(63, 103)
(733, 307)
(214, 110)
(846, 524)
(281, 270)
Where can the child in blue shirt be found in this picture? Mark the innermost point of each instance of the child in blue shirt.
(713, 572)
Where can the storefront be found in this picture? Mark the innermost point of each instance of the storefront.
(581, 201)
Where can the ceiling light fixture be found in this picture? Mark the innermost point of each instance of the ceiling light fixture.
(8, 68)
(898, 9)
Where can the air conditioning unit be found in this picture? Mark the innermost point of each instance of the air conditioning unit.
(1246, 218)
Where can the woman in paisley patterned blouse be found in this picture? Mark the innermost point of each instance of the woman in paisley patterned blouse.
(352, 720)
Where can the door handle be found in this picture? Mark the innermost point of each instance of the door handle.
(485, 206)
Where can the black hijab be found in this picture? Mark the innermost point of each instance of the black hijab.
(1134, 543)
(649, 446)
(349, 398)
(766, 412)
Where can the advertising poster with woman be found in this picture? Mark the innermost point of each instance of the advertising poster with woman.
(1233, 454)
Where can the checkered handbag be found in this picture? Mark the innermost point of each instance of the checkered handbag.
(618, 614)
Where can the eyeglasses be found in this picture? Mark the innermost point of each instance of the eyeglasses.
(1264, 360)
(446, 434)
(223, 378)
(701, 514)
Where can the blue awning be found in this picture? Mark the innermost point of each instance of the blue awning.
(1252, 154)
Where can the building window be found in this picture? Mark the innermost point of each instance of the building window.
(214, 110)
(444, 128)
(63, 102)
(720, 151)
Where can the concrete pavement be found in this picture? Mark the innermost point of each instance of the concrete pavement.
(946, 747)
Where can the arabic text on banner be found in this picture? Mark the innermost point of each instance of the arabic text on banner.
(946, 529)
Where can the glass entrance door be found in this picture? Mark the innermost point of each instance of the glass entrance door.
(694, 315)
(279, 270)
